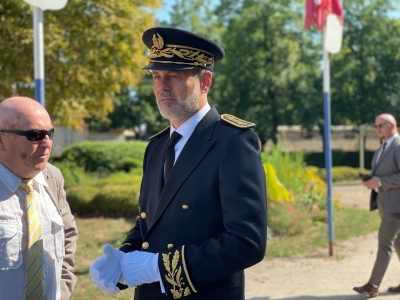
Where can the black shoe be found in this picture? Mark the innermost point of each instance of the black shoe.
(368, 290)
(395, 289)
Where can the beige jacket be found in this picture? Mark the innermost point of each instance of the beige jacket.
(57, 194)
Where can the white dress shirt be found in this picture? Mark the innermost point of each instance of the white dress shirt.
(14, 239)
(187, 128)
(388, 143)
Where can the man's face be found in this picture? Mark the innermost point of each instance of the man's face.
(26, 158)
(178, 94)
(383, 129)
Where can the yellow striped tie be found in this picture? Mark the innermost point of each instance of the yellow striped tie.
(34, 288)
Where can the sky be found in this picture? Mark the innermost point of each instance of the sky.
(163, 13)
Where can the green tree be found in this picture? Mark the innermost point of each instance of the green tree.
(93, 49)
(365, 73)
(270, 66)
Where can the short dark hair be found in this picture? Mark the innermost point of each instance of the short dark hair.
(199, 71)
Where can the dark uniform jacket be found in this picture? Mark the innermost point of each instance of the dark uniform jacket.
(208, 223)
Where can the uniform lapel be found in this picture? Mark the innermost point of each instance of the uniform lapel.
(158, 169)
(199, 143)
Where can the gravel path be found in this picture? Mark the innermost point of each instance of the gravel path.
(331, 278)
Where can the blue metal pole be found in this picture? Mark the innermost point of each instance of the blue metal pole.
(328, 152)
(38, 55)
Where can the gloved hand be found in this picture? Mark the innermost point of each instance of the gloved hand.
(106, 271)
(139, 267)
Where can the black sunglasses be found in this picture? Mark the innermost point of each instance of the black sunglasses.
(381, 125)
(34, 135)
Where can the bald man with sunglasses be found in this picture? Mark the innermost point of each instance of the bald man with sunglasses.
(384, 182)
(26, 134)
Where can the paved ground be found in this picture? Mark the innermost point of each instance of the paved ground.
(324, 278)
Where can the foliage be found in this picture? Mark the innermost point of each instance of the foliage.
(285, 220)
(130, 111)
(276, 190)
(196, 17)
(364, 72)
(117, 194)
(106, 157)
(339, 158)
(340, 174)
(93, 49)
(73, 175)
(303, 201)
(268, 73)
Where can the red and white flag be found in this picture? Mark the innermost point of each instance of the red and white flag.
(318, 10)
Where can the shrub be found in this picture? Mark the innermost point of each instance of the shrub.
(339, 174)
(106, 157)
(296, 196)
(285, 219)
(73, 175)
(116, 195)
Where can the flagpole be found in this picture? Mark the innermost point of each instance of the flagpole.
(327, 137)
(38, 55)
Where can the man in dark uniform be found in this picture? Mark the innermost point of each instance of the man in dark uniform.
(203, 196)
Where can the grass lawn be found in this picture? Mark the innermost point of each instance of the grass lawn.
(95, 232)
(348, 223)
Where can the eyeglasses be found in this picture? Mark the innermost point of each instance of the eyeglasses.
(34, 135)
(380, 125)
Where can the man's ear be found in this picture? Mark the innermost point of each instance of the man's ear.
(206, 81)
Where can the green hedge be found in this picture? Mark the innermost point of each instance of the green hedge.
(73, 175)
(106, 157)
(339, 158)
(117, 194)
(339, 174)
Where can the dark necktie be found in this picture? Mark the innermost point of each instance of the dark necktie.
(383, 151)
(170, 154)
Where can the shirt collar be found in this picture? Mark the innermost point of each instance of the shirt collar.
(12, 181)
(187, 128)
(390, 141)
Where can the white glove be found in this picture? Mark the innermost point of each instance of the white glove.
(139, 267)
(106, 271)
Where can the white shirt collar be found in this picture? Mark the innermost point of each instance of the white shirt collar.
(12, 181)
(187, 128)
(390, 141)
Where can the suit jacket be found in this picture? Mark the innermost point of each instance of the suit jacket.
(387, 200)
(208, 223)
(55, 189)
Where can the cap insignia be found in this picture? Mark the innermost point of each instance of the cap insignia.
(236, 121)
(158, 41)
(190, 56)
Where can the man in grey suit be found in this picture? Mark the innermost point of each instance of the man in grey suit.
(385, 196)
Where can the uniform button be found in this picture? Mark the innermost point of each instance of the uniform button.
(145, 245)
(170, 246)
(185, 206)
(143, 215)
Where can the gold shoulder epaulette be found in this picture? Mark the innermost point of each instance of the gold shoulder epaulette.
(236, 121)
(159, 133)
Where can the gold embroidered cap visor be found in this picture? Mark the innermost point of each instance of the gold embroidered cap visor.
(176, 49)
